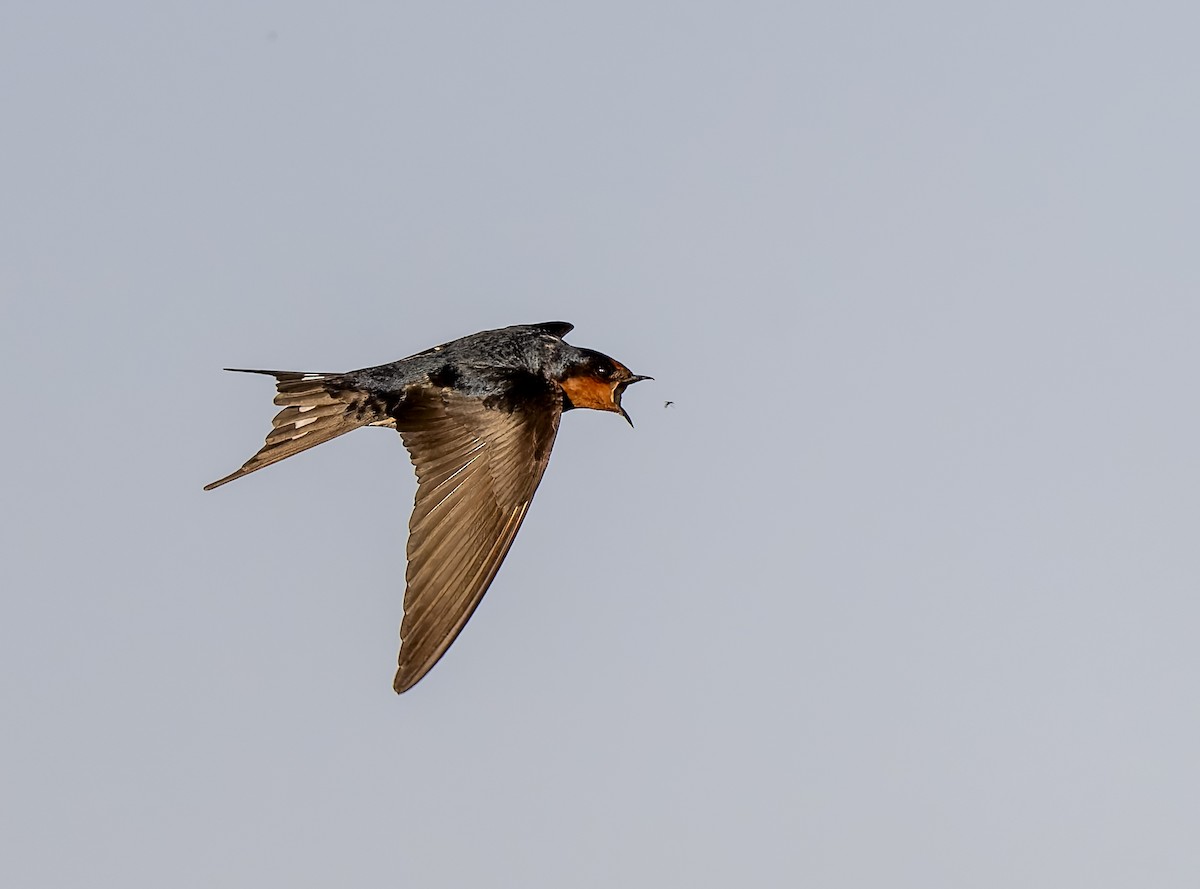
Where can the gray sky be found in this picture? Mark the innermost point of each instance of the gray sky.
(905, 585)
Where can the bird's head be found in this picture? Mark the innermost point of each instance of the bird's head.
(597, 382)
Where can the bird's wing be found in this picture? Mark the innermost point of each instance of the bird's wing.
(477, 469)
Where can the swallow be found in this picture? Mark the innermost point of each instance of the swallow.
(478, 416)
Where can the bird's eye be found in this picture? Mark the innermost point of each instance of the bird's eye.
(603, 370)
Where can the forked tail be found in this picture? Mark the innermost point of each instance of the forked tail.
(315, 409)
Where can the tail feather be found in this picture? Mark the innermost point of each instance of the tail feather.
(315, 410)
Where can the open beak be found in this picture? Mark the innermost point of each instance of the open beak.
(619, 390)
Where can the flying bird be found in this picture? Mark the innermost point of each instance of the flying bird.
(478, 416)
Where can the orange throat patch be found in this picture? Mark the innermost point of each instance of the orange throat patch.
(591, 392)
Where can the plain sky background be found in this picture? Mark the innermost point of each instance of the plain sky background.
(901, 592)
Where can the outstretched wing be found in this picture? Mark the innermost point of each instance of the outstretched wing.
(477, 470)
